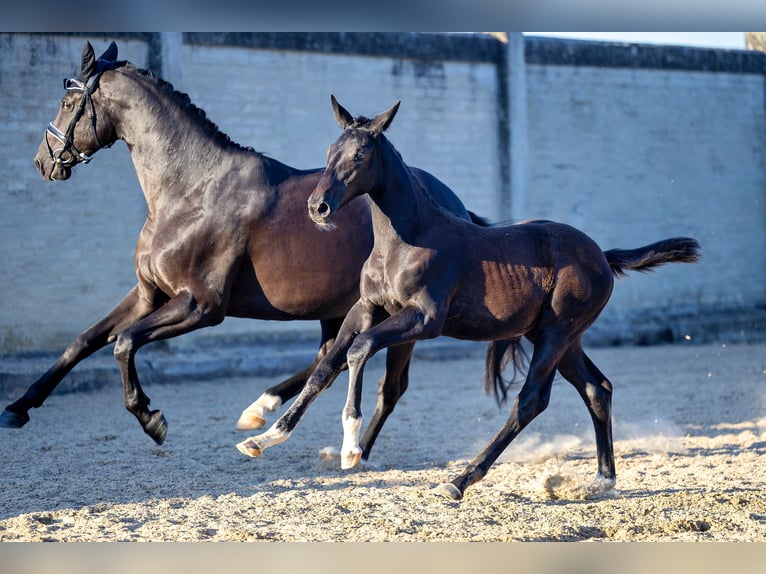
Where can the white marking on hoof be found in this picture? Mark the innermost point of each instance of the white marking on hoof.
(254, 446)
(350, 459)
(350, 453)
(250, 448)
(254, 416)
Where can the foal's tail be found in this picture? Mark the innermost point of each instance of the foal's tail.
(499, 355)
(674, 250)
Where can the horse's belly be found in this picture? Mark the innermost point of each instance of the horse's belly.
(488, 320)
(486, 329)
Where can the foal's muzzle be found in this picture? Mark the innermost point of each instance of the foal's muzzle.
(319, 212)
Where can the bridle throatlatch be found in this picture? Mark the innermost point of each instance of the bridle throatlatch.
(68, 153)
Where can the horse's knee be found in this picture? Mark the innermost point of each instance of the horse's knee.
(123, 348)
(359, 352)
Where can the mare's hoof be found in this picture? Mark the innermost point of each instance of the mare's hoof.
(157, 427)
(449, 490)
(250, 421)
(250, 448)
(11, 420)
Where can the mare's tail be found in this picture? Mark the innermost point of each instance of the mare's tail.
(674, 250)
(499, 355)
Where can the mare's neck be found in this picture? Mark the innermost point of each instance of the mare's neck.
(172, 150)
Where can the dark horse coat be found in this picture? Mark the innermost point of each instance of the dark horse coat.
(226, 234)
(432, 274)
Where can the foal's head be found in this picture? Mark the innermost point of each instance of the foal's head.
(353, 166)
(80, 128)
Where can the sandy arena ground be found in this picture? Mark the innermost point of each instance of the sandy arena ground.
(689, 427)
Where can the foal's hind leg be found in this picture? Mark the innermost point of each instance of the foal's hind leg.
(130, 309)
(182, 314)
(254, 416)
(532, 399)
(596, 390)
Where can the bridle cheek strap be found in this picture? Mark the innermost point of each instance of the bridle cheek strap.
(63, 155)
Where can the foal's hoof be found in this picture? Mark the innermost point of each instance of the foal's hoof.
(350, 459)
(157, 427)
(449, 490)
(11, 420)
(250, 448)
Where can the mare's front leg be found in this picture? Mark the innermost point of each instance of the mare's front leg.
(410, 324)
(320, 380)
(182, 314)
(254, 416)
(129, 310)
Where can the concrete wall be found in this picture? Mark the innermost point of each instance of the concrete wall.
(631, 144)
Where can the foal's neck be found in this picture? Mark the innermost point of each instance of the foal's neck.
(399, 202)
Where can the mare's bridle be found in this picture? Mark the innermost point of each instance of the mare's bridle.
(68, 154)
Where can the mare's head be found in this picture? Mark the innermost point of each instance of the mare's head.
(80, 128)
(353, 166)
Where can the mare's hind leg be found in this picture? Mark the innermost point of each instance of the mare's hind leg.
(254, 416)
(596, 391)
(392, 386)
(182, 314)
(532, 399)
(129, 310)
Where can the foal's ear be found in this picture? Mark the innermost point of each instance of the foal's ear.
(110, 54)
(341, 114)
(382, 121)
(88, 65)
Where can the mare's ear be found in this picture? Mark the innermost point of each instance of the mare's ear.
(341, 114)
(382, 121)
(110, 54)
(88, 65)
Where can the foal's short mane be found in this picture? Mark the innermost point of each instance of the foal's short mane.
(422, 192)
(184, 101)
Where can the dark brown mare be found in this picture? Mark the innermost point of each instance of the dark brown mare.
(431, 274)
(227, 234)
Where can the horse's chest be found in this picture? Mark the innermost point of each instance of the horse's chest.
(391, 283)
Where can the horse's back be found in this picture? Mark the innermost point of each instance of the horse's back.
(518, 271)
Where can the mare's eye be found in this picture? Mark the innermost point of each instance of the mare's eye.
(66, 105)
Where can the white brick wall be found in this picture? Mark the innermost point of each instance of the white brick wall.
(628, 155)
(67, 247)
(279, 102)
(632, 156)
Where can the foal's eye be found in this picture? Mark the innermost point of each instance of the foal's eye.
(359, 156)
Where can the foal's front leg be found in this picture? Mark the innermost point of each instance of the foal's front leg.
(320, 380)
(409, 324)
